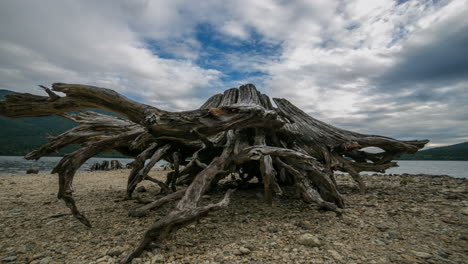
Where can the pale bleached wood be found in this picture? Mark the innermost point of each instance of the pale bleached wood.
(238, 133)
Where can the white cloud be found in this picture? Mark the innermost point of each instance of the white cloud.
(71, 41)
(329, 60)
(234, 29)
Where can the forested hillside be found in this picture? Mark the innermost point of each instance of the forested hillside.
(21, 135)
(453, 152)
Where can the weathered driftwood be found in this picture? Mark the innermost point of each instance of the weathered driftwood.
(32, 171)
(238, 133)
(106, 165)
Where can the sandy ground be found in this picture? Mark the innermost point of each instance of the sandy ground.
(402, 219)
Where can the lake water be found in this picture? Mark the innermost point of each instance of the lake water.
(454, 168)
(459, 169)
(18, 165)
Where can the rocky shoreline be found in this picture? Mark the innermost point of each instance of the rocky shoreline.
(401, 219)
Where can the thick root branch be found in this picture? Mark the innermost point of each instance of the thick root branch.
(175, 220)
(143, 210)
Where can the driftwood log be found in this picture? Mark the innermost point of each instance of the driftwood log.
(238, 133)
(105, 165)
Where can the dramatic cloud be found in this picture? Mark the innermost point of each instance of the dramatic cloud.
(73, 41)
(398, 68)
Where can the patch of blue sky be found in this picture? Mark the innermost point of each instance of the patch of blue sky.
(401, 1)
(237, 59)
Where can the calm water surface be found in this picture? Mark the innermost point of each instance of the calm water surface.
(454, 168)
(459, 169)
(18, 165)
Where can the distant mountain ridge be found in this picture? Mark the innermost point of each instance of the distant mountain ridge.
(452, 152)
(19, 136)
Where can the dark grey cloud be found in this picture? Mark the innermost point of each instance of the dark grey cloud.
(396, 68)
(433, 58)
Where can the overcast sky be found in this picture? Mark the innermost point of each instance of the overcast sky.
(395, 68)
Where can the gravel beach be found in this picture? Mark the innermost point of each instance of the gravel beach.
(401, 219)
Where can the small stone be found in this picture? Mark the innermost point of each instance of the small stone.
(273, 229)
(452, 197)
(304, 225)
(136, 261)
(394, 235)
(38, 256)
(115, 252)
(45, 260)
(309, 240)
(140, 189)
(411, 259)
(158, 258)
(10, 259)
(443, 254)
(335, 255)
(103, 259)
(119, 232)
(379, 242)
(32, 171)
(95, 240)
(137, 213)
(244, 251)
(420, 254)
(249, 246)
(464, 211)
(211, 226)
(382, 227)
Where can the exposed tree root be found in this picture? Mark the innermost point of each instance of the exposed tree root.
(143, 210)
(237, 133)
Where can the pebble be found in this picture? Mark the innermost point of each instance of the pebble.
(137, 261)
(309, 240)
(420, 254)
(115, 252)
(335, 255)
(443, 254)
(10, 259)
(394, 235)
(382, 227)
(158, 258)
(45, 260)
(304, 225)
(38, 256)
(103, 259)
(409, 258)
(244, 250)
(464, 211)
(273, 229)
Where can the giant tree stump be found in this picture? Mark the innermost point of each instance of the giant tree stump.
(236, 133)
